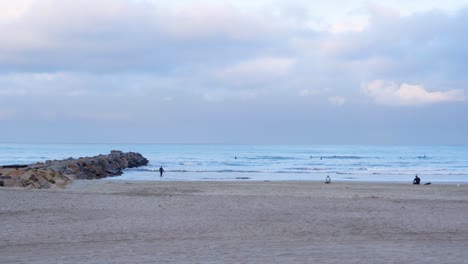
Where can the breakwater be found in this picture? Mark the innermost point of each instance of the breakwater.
(59, 173)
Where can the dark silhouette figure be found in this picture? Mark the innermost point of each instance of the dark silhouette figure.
(161, 171)
(416, 180)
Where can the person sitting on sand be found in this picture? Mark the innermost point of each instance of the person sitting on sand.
(161, 171)
(327, 180)
(416, 180)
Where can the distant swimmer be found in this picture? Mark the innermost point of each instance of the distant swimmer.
(327, 180)
(235, 157)
(161, 171)
(416, 180)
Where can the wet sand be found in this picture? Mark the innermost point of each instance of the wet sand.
(104, 221)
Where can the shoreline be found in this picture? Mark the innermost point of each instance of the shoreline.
(145, 174)
(305, 181)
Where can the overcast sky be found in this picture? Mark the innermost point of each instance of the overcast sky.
(235, 72)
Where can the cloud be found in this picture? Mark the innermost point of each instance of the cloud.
(11, 10)
(200, 20)
(308, 92)
(337, 100)
(407, 45)
(389, 93)
(163, 60)
(125, 35)
(257, 70)
(69, 95)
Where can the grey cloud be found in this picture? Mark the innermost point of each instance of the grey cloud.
(113, 36)
(421, 47)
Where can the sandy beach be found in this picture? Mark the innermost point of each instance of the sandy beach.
(103, 221)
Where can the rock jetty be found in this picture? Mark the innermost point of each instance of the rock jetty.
(59, 173)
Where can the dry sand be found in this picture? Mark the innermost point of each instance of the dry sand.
(104, 221)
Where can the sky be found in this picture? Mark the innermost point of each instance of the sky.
(234, 72)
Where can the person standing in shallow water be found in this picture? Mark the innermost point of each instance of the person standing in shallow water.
(161, 171)
(416, 180)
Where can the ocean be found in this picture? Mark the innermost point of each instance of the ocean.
(267, 162)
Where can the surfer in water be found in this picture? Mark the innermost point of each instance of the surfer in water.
(161, 171)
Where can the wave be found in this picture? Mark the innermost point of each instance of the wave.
(188, 163)
(233, 164)
(291, 172)
(424, 173)
(213, 163)
(25, 157)
(309, 169)
(270, 158)
(305, 170)
(343, 157)
(195, 171)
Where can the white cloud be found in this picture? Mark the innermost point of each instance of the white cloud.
(258, 69)
(11, 10)
(389, 93)
(199, 20)
(337, 100)
(308, 92)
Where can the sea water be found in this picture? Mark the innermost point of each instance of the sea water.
(266, 162)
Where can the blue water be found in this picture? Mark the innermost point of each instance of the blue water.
(260, 163)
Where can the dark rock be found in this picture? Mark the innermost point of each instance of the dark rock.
(58, 173)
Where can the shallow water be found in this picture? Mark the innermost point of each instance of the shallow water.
(267, 162)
